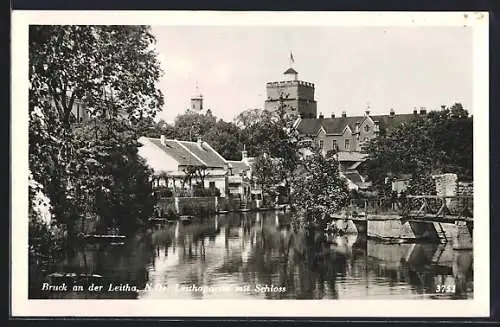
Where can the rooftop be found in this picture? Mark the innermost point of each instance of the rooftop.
(311, 126)
(290, 71)
(188, 153)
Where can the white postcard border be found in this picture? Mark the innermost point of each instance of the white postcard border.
(21, 306)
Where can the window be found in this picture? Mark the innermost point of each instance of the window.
(321, 144)
(211, 185)
(334, 145)
(367, 128)
(347, 144)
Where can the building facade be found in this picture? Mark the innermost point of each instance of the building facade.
(172, 159)
(347, 137)
(296, 95)
(349, 134)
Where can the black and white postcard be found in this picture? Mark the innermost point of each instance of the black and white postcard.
(302, 163)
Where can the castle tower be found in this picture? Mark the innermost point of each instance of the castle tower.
(298, 95)
(196, 104)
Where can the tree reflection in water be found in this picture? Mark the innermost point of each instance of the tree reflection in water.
(260, 249)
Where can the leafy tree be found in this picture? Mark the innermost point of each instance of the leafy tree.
(274, 135)
(224, 137)
(440, 142)
(249, 117)
(95, 65)
(92, 168)
(191, 125)
(201, 173)
(267, 173)
(317, 191)
(189, 175)
(149, 128)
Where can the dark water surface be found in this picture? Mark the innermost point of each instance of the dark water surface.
(257, 256)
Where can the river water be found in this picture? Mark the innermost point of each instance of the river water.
(257, 256)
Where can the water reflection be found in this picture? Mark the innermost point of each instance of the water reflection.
(257, 255)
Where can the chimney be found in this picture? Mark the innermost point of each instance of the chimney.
(162, 139)
(199, 141)
(367, 112)
(423, 111)
(415, 112)
(356, 129)
(392, 113)
(376, 128)
(443, 107)
(333, 115)
(321, 116)
(344, 114)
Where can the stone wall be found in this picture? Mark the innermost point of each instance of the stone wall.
(190, 206)
(165, 206)
(390, 229)
(186, 205)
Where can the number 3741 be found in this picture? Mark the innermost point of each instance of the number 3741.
(445, 288)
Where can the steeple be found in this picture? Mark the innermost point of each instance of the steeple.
(197, 100)
(291, 74)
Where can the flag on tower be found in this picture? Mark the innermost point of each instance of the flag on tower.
(291, 58)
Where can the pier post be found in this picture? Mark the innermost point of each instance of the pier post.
(176, 203)
(462, 240)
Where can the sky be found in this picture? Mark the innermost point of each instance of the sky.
(353, 68)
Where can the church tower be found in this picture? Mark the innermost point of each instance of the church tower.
(298, 95)
(196, 104)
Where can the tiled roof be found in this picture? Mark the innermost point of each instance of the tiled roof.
(176, 151)
(205, 153)
(311, 126)
(191, 153)
(238, 166)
